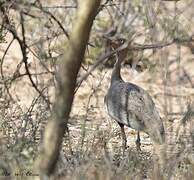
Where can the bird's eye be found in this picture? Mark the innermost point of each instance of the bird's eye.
(122, 41)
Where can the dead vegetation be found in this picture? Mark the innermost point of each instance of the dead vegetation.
(91, 147)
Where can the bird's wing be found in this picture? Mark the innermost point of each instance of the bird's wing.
(140, 103)
(142, 106)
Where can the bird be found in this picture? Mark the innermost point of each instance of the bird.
(132, 106)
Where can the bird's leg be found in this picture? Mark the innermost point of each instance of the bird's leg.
(124, 139)
(138, 143)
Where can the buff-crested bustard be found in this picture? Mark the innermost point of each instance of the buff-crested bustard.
(130, 105)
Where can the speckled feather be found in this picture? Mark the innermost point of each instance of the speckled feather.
(132, 106)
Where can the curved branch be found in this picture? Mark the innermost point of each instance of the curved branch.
(136, 47)
(23, 47)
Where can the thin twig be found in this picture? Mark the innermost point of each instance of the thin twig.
(25, 58)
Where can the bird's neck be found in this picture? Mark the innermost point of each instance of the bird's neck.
(116, 74)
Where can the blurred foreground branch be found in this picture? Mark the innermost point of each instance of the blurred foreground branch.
(68, 70)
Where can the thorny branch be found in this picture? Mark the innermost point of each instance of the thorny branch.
(54, 18)
(137, 47)
(25, 58)
(1, 69)
(94, 89)
(23, 47)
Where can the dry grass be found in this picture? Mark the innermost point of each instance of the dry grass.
(92, 150)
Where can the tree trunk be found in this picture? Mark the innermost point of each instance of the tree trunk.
(66, 78)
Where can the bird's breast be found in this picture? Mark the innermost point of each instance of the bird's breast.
(119, 112)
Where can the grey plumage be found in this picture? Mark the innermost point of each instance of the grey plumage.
(132, 106)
